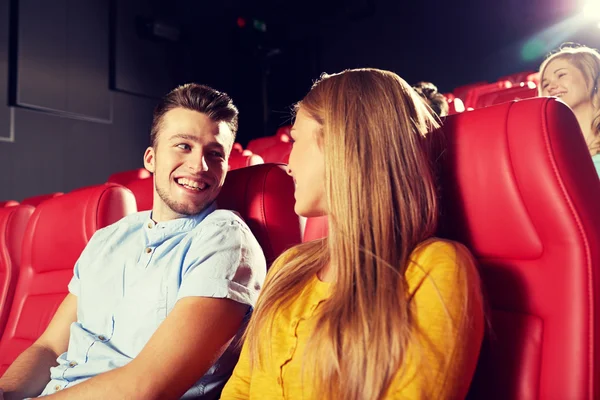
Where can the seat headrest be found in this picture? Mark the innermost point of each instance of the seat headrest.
(143, 191)
(278, 153)
(36, 200)
(13, 221)
(60, 227)
(516, 177)
(240, 160)
(264, 196)
(125, 177)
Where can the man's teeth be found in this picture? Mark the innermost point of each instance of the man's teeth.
(190, 184)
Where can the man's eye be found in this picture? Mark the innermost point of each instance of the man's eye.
(184, 146)
(216, 154)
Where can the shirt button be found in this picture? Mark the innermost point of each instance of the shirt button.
(150, 225)
(57, 388)
(73, 364)
(148, 250)
(102, 337)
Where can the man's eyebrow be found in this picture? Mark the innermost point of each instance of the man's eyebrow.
(185, 136)
(559, 69)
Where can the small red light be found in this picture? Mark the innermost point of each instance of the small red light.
(241, 22)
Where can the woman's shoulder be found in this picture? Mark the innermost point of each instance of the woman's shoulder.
(443, 260)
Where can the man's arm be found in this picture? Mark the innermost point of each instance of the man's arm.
(183, 348)
(30, 372)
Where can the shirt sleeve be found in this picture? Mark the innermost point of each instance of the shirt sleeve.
(224, 261)
(448, 313)
(74, 284)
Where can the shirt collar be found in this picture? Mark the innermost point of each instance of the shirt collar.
(182, 224)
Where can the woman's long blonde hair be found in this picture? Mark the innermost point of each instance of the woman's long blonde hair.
(587, 61)
(382, 200)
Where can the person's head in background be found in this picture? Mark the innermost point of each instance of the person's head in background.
(434, 99)
(573, 75)
(361, 157)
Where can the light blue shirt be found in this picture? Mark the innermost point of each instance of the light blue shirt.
(596, 160)
(132, 273)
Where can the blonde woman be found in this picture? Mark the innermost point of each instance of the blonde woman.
(380, 308)
(573, 75)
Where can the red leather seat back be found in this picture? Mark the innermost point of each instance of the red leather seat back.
(259, 145)
(36, 200)
(13, 221)
(143, 190)
(526, 91)
(262, 194)
(461, 91)
(520, 190)
(54, 238)
(518, 77)
(9, 203)
(125, 177)
(240, 160)
(278, 153)
(237, 148)
(473, 95)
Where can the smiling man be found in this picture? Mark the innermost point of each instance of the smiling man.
(157, 297)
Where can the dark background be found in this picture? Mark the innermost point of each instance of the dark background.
(80, 77)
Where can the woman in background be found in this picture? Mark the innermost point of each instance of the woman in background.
(573, 75)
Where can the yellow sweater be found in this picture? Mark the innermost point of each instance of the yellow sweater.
(444, 283)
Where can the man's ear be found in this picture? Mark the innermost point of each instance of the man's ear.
(149, 159)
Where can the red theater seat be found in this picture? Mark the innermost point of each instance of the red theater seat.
(13, 221)
(123, 178)
(518, 77)
(237, 148)
(278, 153)
(520, 190)
(523, 91)
(461, 91)
(9, 203)
(36, 200)
(262, 194)
(473, 95)
(257, 146)
(56, 234)
(241, 160)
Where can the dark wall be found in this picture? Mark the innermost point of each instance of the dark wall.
(50, 151)
(80, 79)
(452, 43)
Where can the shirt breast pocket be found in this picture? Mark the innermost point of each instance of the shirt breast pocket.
(141, 312)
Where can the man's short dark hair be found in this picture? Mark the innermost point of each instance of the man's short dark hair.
(218, 106)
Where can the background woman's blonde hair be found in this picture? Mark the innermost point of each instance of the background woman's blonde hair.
(587, 61)
(382, 200)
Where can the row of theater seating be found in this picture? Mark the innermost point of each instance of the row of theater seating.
(518, 188)
(522, 85)
(270, 149)
(277, 148)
